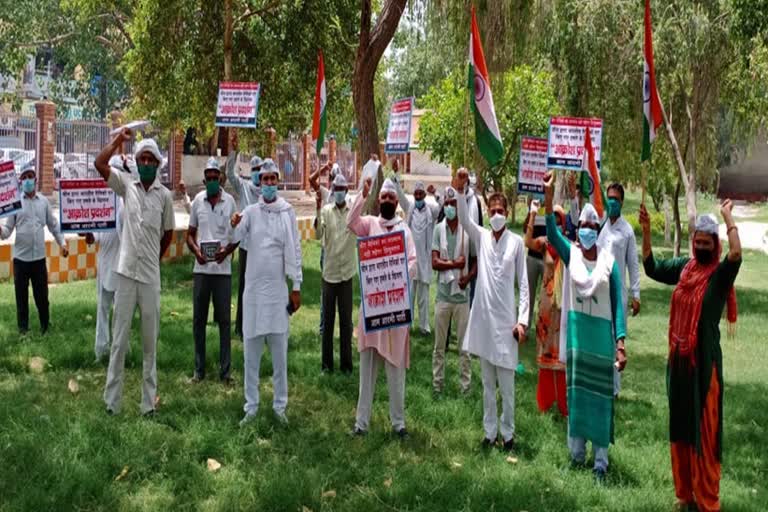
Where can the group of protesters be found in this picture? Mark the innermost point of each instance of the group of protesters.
(583, 266)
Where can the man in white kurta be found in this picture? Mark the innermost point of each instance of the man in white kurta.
(493, 321)
(618, 237)
(269, 231)
(420, 216)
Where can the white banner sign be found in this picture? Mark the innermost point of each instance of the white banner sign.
(10, 196)
(399, 128)
(86, 206)
(238, 104)
(533, 166)
(566, 142)
(384, 281)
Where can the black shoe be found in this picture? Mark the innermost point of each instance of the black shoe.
(488, 443)
(357, 432)
(402, 434)
(110, 412)
(44, 331)
(508, 446)
(577, 464)
(228, 381)
(150, 414)
(599, 475)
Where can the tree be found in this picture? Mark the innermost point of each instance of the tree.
(524, 100)
(85, 40)
(180, 56)
(372, 42)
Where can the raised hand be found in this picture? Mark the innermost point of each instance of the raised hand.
(235, 219)
(367, 187)
(726, 209)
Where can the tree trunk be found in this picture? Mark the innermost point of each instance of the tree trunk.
(676, 218)
(667, 221)
(228, 29)
(690, 194)
(372, 43)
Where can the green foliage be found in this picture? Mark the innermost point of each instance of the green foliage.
(61, 451)
(524, 99)
(178, 61)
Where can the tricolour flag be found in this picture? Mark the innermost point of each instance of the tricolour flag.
(486, 126)
(319, 122)
(590, 177)
(652, 118)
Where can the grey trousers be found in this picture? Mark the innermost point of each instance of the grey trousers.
(128, 295)
(370, 361)
(337, 294)
(104, 301)
(218, 288)
(535, 267)
(253, 348)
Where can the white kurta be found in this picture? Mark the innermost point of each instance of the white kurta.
(422, 224)
(269, 233)
(493, 315)
(619, 238)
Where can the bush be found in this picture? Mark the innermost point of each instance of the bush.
(657, 224)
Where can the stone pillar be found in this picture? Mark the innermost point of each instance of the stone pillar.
(306, 147)
(46, 145)
(271, 143)
(175, 156)
(332, 150)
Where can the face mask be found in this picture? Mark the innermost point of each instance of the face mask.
(147, 172)
(340, 196)
(614, 207)
(212, 188)
(498, 222)
(255, 177)
(703, 256)
(450, 212)
(387, 210)
(587, 237)
(419, 204)
(269, 192)
(28, 185)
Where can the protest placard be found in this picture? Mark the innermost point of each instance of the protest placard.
(533, 166)
(399, 128)
(238, 104)
(86, 206)
(10, 196)
(384, 281)
(566, 142)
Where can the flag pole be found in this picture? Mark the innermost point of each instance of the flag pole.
(644, 179)
(466, 128)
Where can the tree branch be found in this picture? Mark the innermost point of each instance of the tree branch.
(121, 27)
(48, 42)
(259, 12)
(386, 26)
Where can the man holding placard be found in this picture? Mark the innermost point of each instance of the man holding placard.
(148, 223)
(29, 250)
(389, 347)
(209, 239)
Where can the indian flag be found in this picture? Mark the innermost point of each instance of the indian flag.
(651, 102)
(319, 122)
(486, 126)
(590, 177)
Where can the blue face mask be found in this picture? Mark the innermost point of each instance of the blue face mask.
(419, 204)
(28, 185)
(614, 207)
(587, 237)
(450, 212)
(255, 177)
(269, 192)
(340, 196)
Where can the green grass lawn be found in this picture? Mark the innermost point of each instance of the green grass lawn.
(61, 451)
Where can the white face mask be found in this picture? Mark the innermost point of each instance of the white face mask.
(498, 222)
